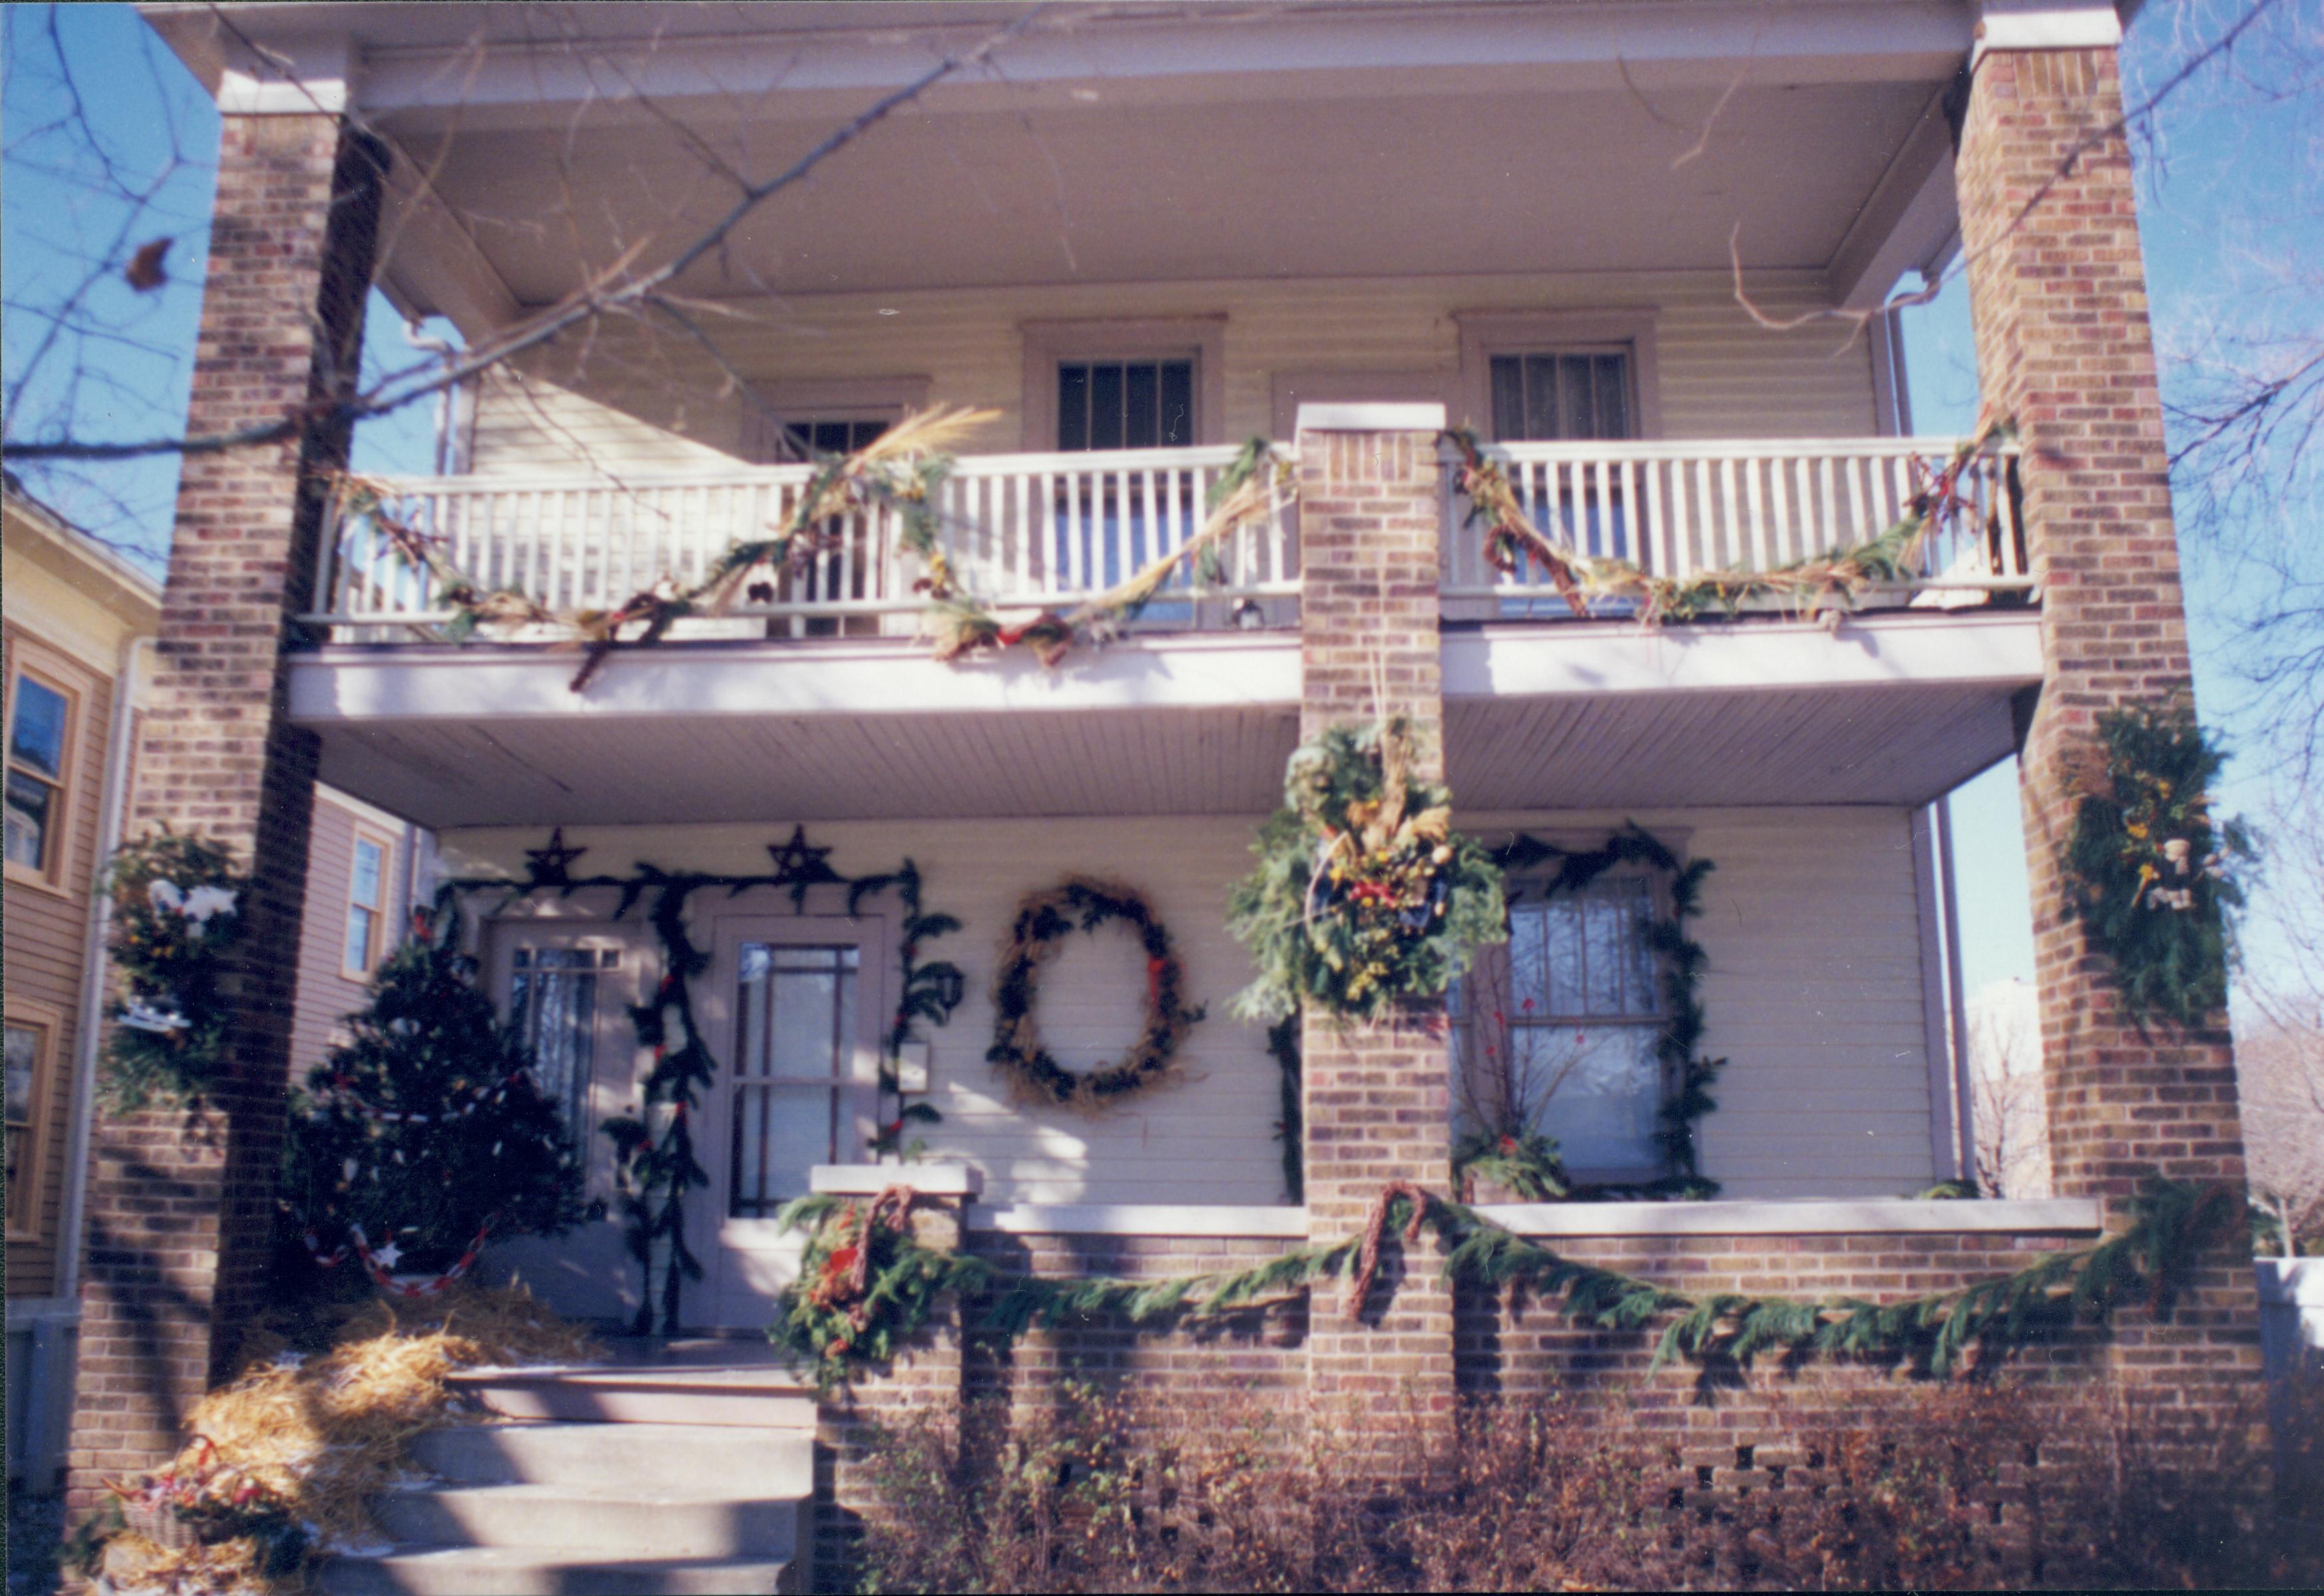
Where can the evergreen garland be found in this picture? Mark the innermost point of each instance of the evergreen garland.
(1291, 1130)
(176, 913)
(2152, 874)
(1043, 919)
(1682, 962)
(656, 1163)
(427, 1124)
(1364, 897)
(2171, 1223)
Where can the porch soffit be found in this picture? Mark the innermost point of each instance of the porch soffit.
(1893, 711)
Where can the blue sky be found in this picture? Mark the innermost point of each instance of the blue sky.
(2229, 190)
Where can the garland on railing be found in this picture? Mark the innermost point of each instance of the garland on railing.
(1043, 919)
(2153, 874)
(654, 1148)
(1681, 960)
(176, 912)
(899, 470)
(1830, 582)
(1364, 897)
(962, 624)
(894, 1283)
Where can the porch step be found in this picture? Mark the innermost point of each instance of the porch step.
(755, 1463)
(756, 1396)
(693, 1516)
(508, 1570)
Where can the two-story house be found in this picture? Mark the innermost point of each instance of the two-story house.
(1643, 252)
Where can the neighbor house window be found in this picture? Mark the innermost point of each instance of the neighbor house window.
(28, 1069)
(1573, 394)
(1125, 404)
(41, 716)
(553, 1005)
(795, 1047)
(832, 436)
(1559, 1028)
(367, 904)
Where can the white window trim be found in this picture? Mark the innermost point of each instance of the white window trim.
(24, 1216)
(384, 931)
(1487, 332)
(824, 399)
(26, 657)
(1050, 344)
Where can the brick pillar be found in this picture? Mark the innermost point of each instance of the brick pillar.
(2059, 297)
(1376, 1098)
(181, 1206)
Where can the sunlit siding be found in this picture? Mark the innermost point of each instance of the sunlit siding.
(656, 404)
(327, 992)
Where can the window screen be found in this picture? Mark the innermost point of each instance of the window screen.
(833, 437)
(1574, 396)
(1132, 404)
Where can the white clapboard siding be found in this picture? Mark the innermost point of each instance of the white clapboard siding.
(1813, 994)
(654, 404)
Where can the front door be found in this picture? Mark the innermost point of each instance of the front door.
(790, 1005)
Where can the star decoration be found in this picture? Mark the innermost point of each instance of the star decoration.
(387, 1256)
(551, 863)
(798, 866)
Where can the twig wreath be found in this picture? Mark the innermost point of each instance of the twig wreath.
(2153, 874)
(1044, 920)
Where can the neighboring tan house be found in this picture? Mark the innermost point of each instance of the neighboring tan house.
(80, 622)
(1139, 238)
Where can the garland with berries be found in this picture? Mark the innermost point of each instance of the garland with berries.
(175, 912)
(1687, 1073)
(2152, 874)
(1044, 920)
(655, 1159)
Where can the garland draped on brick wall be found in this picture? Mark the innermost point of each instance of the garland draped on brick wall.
(656, 1163)
(866, 1288)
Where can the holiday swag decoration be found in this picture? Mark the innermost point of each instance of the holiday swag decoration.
(1044, 920)
(427, 1129)
(867, 1285)
(1830, 582)
(176, 911)
(2153, 874)
(1364, 897)
(656, 1161)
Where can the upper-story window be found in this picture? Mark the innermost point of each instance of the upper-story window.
(368, 903)
(40, 718)
(1559, 1029)
(833, 435)
(1562, 394)
(1125, 404)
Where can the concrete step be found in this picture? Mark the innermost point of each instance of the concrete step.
(623, 1457)
(503, 1571)
(752, 1395)
(646, 1520)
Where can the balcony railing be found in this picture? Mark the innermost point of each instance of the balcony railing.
(1679, 509)
(1018, 531)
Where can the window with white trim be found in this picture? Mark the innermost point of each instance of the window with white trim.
(1558, 1030)
(41, 716)
(367, 892)
(1125, 404)
(1569, 394)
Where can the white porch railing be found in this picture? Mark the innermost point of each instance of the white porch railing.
(1019, 531)
(1675, 508)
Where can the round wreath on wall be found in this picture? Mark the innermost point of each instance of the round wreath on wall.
(1044, 920)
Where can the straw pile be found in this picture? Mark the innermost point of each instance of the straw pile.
(329, 1432)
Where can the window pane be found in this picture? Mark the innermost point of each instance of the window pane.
(1177, 403)
(37, 738)
(23, 1066)
(1073, 407)
(1142, 428)
(29, 803)
(554, 1007)
(1542, 412)
(360, 923)
(780, 1132)
(1509, 396)
(1564, 991)
(1574, 408)
(370, 861)
(1613, 396)
(1105, 407)
(1607, 1091)
(797, 1007)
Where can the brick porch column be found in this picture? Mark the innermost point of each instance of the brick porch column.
(2059, 297)
(181, 1207)
(1376, 1098)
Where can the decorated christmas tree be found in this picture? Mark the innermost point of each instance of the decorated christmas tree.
(427, 1129)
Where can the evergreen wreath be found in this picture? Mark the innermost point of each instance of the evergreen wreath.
(1364, 897)
(1044, 919)
(2152, 874)
(176, 913)
(1690, 1076)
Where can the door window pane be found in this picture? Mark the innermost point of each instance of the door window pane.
(553, 1004)
(795, 1043)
